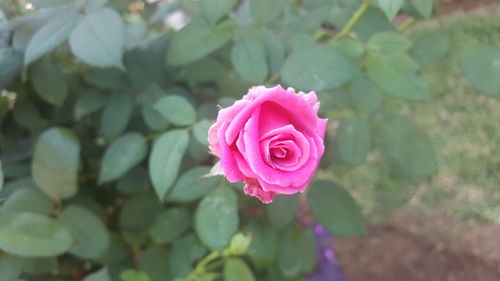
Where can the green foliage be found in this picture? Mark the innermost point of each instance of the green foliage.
(89, 88)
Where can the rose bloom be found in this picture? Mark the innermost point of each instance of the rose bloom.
(271, 139)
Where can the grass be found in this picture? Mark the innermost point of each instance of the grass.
(464, 127)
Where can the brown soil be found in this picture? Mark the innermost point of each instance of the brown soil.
(449, 6)
(422, 248)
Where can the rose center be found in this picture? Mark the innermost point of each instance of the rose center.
(278, 152)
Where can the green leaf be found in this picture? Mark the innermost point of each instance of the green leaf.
(49, 3)
(104, 30)
(217, 218)
(134, 275)
(249, 60)
(318, 69)
(50, 36)
(89, 102)
(101, 275)
(200, 131)
(197, 40)
(107, 78)
(11, 62)
(214, 10)
(38, 266)
(92, 5)
(396, 74)
(262, 250)
(349, 47)
(264, 11)
(165, 159)
(308, 249)
(430, 48)
(123, 154)
(135, 181)
(116, 115)
(390, 7)
(236, 269)
(424, 7)
(139, 212)
(1, 176)
(372, 22)
(289, 255)
(117, 251)
(49, 82)
(354, 140)
(150, 114)
(177, 110)
(481, 65)
(335, 209)
(388, 42)
(11, 268)
(170, 224)
(33, 235)
(155, 263)
(283, 210)
(366, 96)
(55, 163)
(91, 236)
(274, 48)
(192, 186)
(407, 148)
(27, 200)
(182, 255)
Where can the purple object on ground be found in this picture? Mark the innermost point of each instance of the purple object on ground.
(327, 267)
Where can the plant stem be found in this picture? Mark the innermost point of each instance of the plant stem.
(352, 21)
(201, 266)
(406, 24)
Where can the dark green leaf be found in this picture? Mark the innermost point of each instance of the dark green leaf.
(388, 42)
(481, 65)
(262, 250)
(27, 200)
(49, 82)
(249, 60)
(134, 275)
(89, 102)
(55, 163)
(184, 252)
(396, 74)
(430, 48)
(152, 117)
(33, 235)
(11, 62)
(117, 251)
(366, 96)
(107, 78)
(50, 36)
(170, 224)
(155, 263)
(138, 213)
(135, 181)
(123, 154)
(191, 186)
(265, 10)
(390, 7)
(165, 158)
(177, 110)
(116, 115)
(91, 236)
(354, 140)
(101, 275)
(197, 40)
(10, 268)
(236, 269)
(217, 218)
(1, 176)
(104, 30)
(335, 209)
(213, 10)
(308, 249)
(283, 210)
(319, 68)
(289, 255)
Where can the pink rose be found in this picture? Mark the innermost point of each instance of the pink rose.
(272, 140)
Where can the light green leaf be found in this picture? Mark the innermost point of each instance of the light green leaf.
(262, 250)
(396, 75)
(236, 269)
(27, 200)
(101, 275)
(50, 36)
(249, 60)
(388, 42)
(289, 255)
(33, 235)
(123, 154)
(335, 209)
(350, 47)
(197, 40)
(191, 185)
(317, 68)
(49, 82)
(89, 102)
(200, 131)
(165, 159)
(431, 48)
(214, 10)
(366, 96)
(217, 218)
(407, 148)
(49, 3)
(283, 210)
(55, 163)
(177, 110)
(354, 140)
(264, 11)
(104, 30)
(424, 7)
(134, 275)
(116, 115)
(390, 7)
(481, 65)
(91, 236)
(170, 224)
